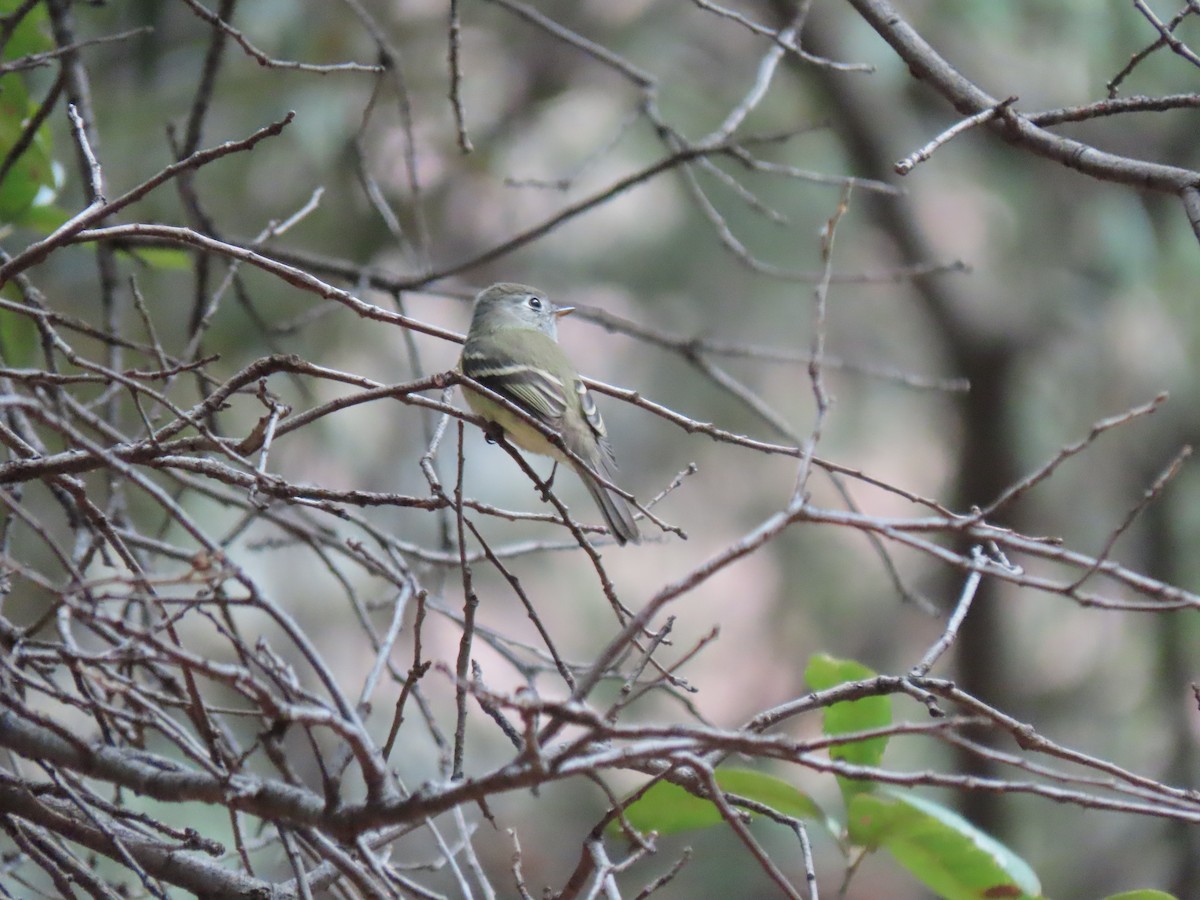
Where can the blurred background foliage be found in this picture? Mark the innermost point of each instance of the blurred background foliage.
(1078, 303)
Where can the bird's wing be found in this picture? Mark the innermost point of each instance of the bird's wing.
(595, 421)
(536, 390)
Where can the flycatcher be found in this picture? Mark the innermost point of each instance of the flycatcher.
(512, 349)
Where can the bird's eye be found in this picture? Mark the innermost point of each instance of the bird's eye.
(535, 302)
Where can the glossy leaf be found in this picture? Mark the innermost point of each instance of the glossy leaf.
(163, 258)
(31, 34)
(18, 339)
(29, 179)
(825, 672)
(668, 808)
(44, 218)
(940, 848)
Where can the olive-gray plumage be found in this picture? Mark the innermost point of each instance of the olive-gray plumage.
(512, 348)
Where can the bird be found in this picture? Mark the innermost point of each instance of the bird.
(512, 348)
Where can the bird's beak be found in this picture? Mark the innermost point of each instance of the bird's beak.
(560, 311)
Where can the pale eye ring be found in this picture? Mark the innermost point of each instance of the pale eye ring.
(535, 302)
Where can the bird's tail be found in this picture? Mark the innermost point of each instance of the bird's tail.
(617, 514)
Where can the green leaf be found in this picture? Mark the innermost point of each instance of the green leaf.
(31, 176)
(19, 186)
(18, 338)
(824, 672)
(164, 258)
(31, 34)
(940, 848)
(1143, 894)
(45, 218)
(669, 809)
